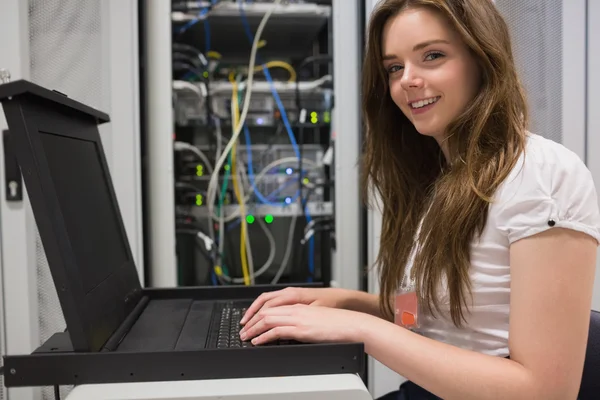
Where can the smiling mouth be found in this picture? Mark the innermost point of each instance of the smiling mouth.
(423, 103)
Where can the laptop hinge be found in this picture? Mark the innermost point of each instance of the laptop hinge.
(119, 334)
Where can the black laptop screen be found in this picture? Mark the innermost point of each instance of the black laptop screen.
(90, 217)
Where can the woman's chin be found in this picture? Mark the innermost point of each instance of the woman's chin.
(427, 131)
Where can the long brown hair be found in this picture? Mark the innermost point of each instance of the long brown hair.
(409, 173)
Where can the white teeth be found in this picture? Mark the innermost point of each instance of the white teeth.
(422, 103)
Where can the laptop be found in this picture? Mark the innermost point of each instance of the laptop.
(57, 145)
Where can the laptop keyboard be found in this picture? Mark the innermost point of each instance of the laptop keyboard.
(225, 327)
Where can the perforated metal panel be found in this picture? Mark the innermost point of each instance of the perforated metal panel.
(66, 47)
(66, 54)
(536, 32)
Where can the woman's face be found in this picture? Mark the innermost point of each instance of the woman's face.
(432, 74)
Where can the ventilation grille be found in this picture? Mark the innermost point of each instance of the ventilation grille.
(66, 47)
(536, 33)
(66, 54)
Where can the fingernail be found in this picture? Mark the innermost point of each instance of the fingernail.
(254, 341)
(242, 336)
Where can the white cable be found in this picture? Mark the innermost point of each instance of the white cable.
(219, 135)
(199, 88)
(221, 217)
(180, 146)
(212, 186)
(288, 249)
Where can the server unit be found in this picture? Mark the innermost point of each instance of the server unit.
(245, 95)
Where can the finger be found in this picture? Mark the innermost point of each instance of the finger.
(267, 323)
(279, 332)
(257, 305)
(270, 304)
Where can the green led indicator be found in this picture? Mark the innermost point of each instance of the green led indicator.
(314, 117)
(268, 218)
(205, 74)
(305, 181)
(250, 219)
(199, 170)
(226, 167)
(327, 117)
(199, 200)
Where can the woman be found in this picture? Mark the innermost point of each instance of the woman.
(494, 227)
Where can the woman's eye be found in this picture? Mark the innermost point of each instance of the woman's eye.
(433, 56)
(394, 68)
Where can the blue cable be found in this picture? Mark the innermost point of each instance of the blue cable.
(206, 37)
(193, 22)
(286, 122)
(260, 196)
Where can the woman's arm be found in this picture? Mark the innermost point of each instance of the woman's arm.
(552, 276)
(367, 303)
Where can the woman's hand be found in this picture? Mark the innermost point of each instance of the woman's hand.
(306, 324)
(325, 297)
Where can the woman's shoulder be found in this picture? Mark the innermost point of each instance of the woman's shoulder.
(549, 186)
(545, 165)
(545, 154)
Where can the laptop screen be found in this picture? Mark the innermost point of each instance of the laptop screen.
(90, 217)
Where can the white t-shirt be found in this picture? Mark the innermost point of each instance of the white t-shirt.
(548, 183)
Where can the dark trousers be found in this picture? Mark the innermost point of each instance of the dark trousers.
(409, 391)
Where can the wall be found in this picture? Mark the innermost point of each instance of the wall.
(593, 116)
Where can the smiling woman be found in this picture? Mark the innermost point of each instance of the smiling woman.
(489, 236)
(440, 72)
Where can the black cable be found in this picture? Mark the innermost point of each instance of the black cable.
(186, 47)
(182, 66)
(318, 59)
(178, 56)
(182, 51)
(209, 257)
(315, 230)
(56, 392)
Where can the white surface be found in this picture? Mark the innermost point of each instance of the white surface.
(593, 127)
(573, 75)
(123, 77)
(159, 132)
(347, 39)
(18, 237)
(316, 387)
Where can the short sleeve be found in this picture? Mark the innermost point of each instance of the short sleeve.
(546, 191)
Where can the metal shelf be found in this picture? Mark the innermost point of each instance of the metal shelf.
(291, 29)
(315, 208)
(258, 10)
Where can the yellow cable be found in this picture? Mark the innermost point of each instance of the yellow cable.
(236, 189)
(279, 64)
(214, 54)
